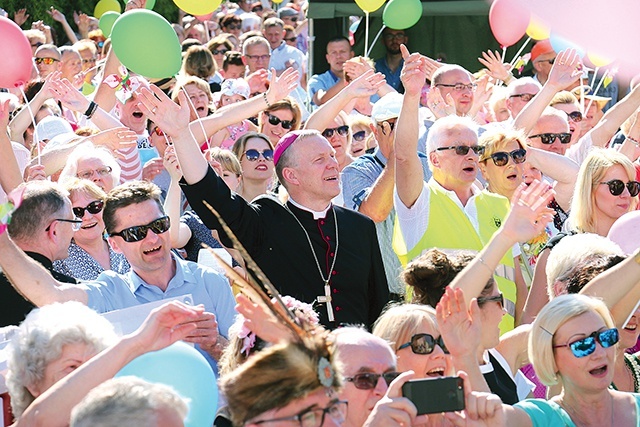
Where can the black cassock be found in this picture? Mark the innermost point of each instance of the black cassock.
(276, 242)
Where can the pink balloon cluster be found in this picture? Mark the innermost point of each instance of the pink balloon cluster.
(508, 21)
(15, 51)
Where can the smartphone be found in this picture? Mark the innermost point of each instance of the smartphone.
(435, 395)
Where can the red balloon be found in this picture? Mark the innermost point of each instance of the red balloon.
(508, 21)
(206, 17)
(15, 51)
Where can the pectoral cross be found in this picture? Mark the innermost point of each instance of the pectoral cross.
(326, 298)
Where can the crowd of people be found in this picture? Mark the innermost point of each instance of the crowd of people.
(412, 220)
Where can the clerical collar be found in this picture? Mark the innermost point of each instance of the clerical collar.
(316, 214)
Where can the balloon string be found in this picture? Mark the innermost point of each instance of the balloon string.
(593, 80)
(596, 91)
(366, 32)
(375, 40)
(206, 139)
(515, 58)
(33, 121)
(504, 53)
(582, 98)
(206, 29)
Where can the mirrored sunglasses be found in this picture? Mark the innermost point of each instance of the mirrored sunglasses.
(253, 155)
(501, 158)
(463, 150)
(275, 121)
(360, 135)
(369, 380)
(424, 344)
(46, 61)
(575, 116)
(158, 131)
(549, 138)
(586, 346)
(139, 232)
(94, 207)
(341, 130)
(616, 187)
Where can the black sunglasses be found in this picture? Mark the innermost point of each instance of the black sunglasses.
(342, 131)
(256, 9)
(360, 135)
(139, 232)
(501, 158)
(369, 381)
(253, 155)
(576, 116)
(424, 344)
(496, 298)
(93, 208)
(219, 51)
(616, 187)
(463, 150)
(549, 138)
(275, 121)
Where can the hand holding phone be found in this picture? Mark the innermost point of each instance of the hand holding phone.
(435, 395)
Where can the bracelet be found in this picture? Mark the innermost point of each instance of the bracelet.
(485, 264)
(635, 141)
(264, 95)
(91, 110)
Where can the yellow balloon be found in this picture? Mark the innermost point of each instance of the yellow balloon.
(104, 6)
(597, 60)
(277, 1)
(369, 5)
(198, 7)
(537, 30)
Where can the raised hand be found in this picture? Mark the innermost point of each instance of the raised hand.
(356, 67)
(481, 95)
(261, 321)
(20, 17)
(135, 4)
(439, 106)
(57, 15)
(35, 173)
(152, 168)
(115, 139)
(167, 324)
(529, 212)
(460, 328)
(281, 86)
(366, 84)
(4, 115)
(394, 409)
(172, 118)
(566, 69)
(70, 97)
(414, 71)
(170, 162)
(493, 62)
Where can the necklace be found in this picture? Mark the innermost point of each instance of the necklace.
(569, 410)
(326, 298)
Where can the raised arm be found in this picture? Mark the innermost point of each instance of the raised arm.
(560, 168)
(59, 17)
(179, 232)
(602, 132)
(10, 176)
(22, 120)
(409, 177)
(565, 71)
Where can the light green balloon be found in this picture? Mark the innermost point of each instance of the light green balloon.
(106, 22)
(146, 43)
(150, 4)
(402, 14)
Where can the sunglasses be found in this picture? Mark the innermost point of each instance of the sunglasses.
(526, 97)
(424, 344)
(459, 87)
(550, 61)
(36, 44)
(463, 150)
(501, 158)
(341, 130)
(549, 138)
(256, 9)
(586, 346)
(46, 61)
(100, 44)
(89, 61)
(360, 135)
(496, 298)
(291, 39)
(233, 26)
(575, 116)
(616, 187)
(275, 121)
(253, 155)
(219, 51)
(139, 232)
(369, 381)
(93, 208)
(76, 223)
(157, 131)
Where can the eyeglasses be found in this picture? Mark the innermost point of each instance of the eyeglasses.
(314, 417)
(89, 61)
(369, 380)
(616, 187)
(586, 346)
(360, 135)
(258, 57)
(549, 138)
(157, 131)
(76, 223)
(496, 298)
(501, 158)
(93, 208)
(100, 172)
(253, 155)
(526, 97)
(550, 61)
(275, 121)
(291, 39)
(424, 344)
(463, 150)
(459, 87)
(397, 36)
(341, 130)
(233, 26)
(46, 61)
(256, 9)
(139, 232)
(219, 51)
(576, 116)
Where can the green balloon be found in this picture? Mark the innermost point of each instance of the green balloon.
(150, 4)
(146, 43)
(402, 14)
(106, 22)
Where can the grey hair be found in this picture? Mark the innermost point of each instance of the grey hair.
(127, 401)
(42, 201)
(252, 41)
(444, 126)
(90, 151)
(522, 81)
(40, 341)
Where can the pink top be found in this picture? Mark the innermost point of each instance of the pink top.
(235, 132)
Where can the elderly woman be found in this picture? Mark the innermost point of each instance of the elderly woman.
(92, 163)
(89, 252)
(199, 95)
(255, 152)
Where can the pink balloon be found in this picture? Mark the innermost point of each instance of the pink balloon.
(625, 232)
(203, 18)
(15, 51)
(508, 21)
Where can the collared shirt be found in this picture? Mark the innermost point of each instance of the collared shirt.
(316, 214)
(324, 81)
(283, 54)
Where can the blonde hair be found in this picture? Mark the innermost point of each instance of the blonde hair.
(191, 80)
(552, 316)
(227, 159)
(400, 322)
(563, 97)
(582, 217)
(496, 140)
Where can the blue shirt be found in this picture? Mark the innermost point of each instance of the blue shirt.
(113, 291)
(324, 81)
(392, 77)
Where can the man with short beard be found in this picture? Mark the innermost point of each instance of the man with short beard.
(391, 64)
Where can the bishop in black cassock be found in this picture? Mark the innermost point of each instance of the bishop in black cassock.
(279, 246)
